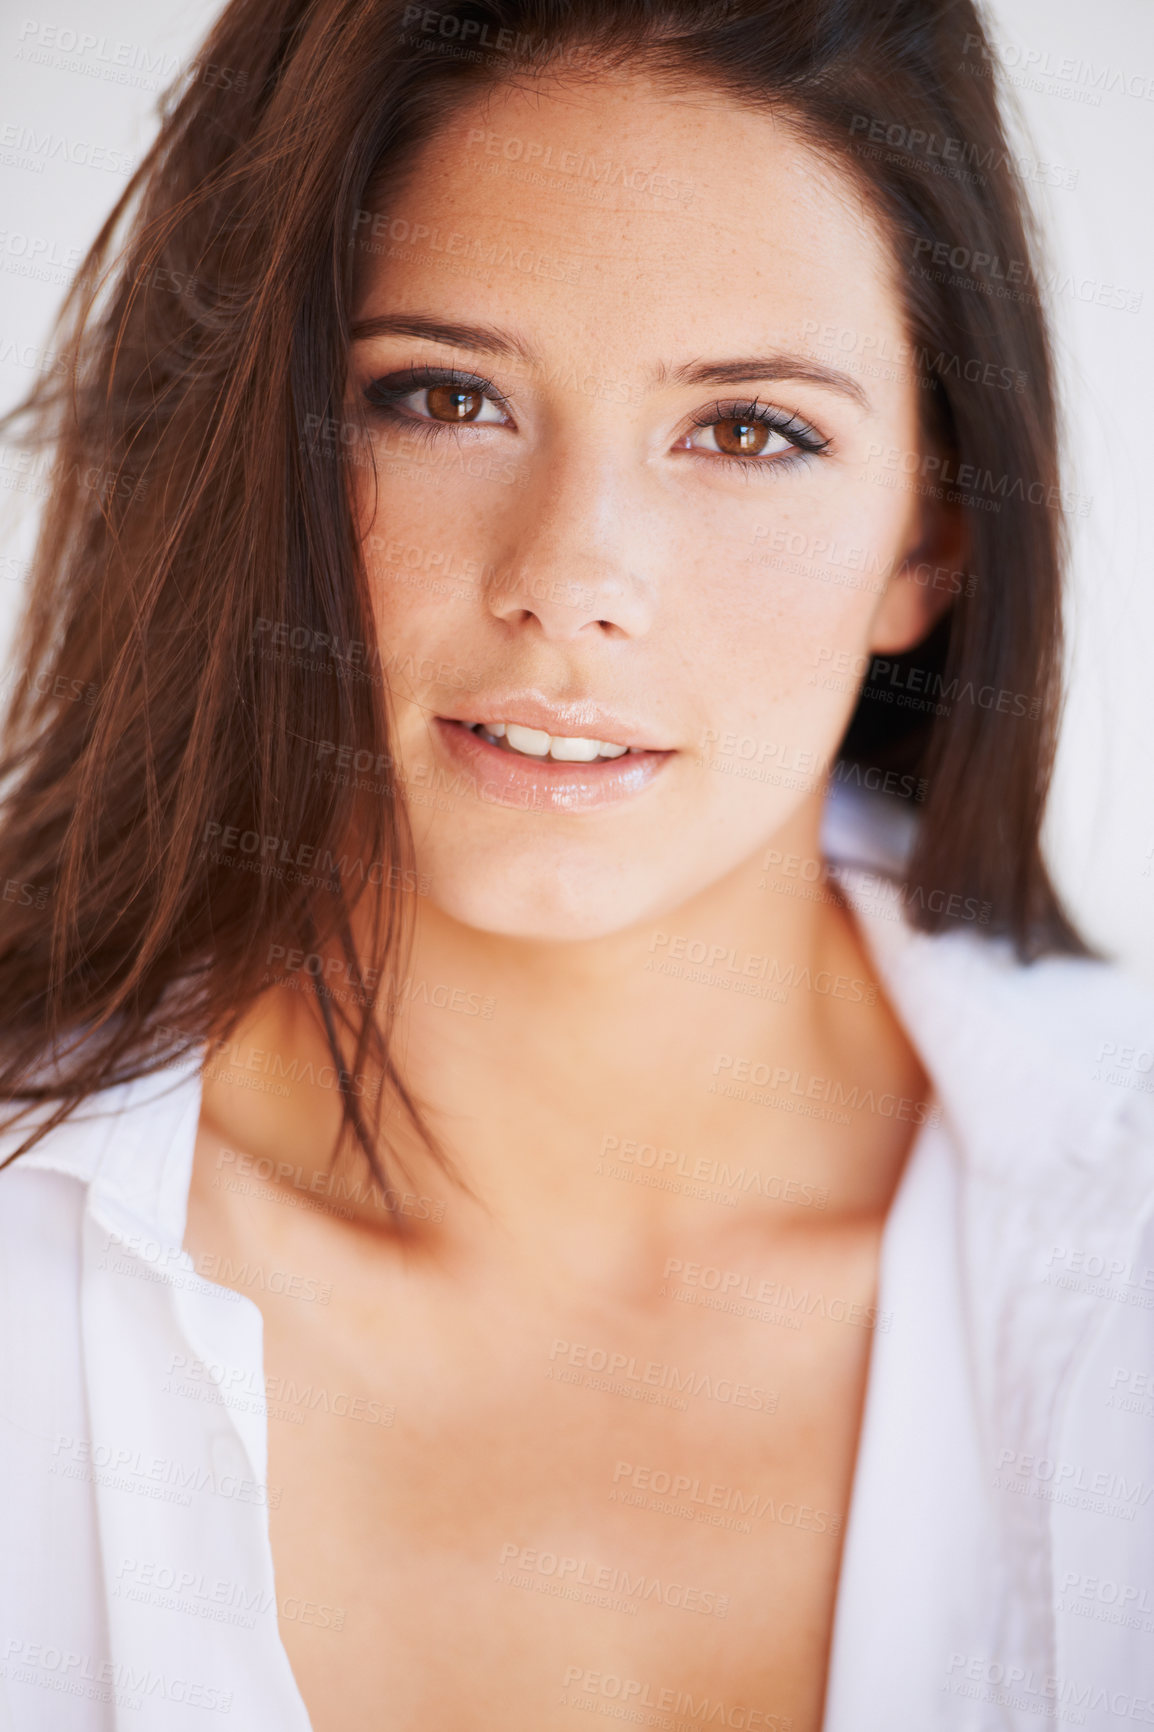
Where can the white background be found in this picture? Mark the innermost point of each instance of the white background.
(1085, 88)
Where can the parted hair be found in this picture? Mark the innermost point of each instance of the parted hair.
(198, 593)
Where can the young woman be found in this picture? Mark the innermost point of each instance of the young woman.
(562, 1157)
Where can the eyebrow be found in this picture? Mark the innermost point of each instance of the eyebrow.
(775, 368)
(486, 340)
(482, 338)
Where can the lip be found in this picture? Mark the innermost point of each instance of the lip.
(584, 720)
(504, 778)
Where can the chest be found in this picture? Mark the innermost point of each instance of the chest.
(496, 1514)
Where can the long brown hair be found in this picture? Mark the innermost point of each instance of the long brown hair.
(199, 611)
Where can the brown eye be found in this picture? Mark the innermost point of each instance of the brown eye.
(741, 438)
(743, 434)
(451, 403)
(420, 395)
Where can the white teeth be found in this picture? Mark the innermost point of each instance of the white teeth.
(530, 740)
(574, 751)
(535, 743)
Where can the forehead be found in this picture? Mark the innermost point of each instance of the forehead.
(628, 213)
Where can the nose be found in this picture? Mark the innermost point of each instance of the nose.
(574, 562)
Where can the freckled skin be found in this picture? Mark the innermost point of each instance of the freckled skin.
(659, 544)
(598, 556)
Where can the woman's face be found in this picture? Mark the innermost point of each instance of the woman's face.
(621, 498)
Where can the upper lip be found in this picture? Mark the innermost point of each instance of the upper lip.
(580, 719)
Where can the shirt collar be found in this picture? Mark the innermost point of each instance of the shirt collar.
(1012, 1049)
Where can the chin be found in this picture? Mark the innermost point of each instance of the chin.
(556, 908)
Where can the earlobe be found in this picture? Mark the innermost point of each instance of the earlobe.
(923, 587)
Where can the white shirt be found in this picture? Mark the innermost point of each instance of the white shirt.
(998, 1569)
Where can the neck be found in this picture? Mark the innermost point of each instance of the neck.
(702, 1042)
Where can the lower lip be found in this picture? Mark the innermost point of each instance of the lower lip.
(505, 778)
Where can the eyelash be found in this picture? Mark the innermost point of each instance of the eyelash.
(385, 393)
(807, 441)
(382, 396)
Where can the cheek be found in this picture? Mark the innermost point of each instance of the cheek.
(776, 716)
(797, 593)
(426, 569)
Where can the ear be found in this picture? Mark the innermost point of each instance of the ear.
(922, 587)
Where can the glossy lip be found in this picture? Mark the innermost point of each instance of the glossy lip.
(504, 778)
(580, 720)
